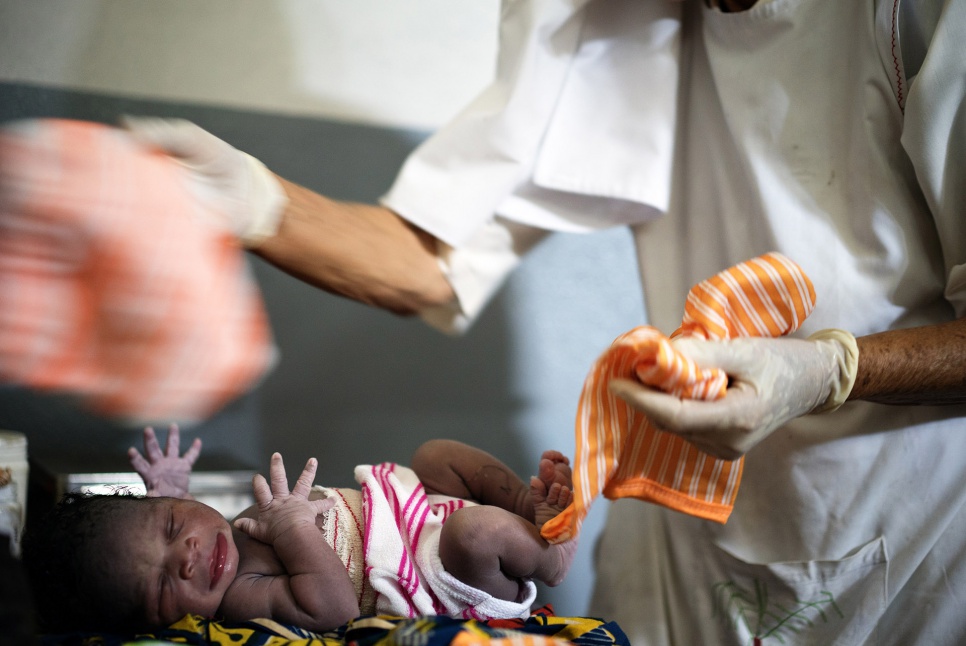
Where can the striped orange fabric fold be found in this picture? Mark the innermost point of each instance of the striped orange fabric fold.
(619, 453)
(117, 285)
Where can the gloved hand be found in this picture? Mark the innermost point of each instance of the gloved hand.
(771, 382)
(233, 182)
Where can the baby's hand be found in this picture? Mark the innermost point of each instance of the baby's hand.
(278, 510)
(165, 473)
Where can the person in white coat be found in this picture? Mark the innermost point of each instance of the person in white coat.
(833, 132)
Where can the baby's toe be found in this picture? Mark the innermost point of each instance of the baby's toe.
(565, 496)
(538, 490)
(555, 456)
(553, 494)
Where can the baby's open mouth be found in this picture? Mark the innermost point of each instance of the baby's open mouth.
(218, 556)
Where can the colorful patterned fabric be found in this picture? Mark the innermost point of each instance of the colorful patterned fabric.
(119, 286)
(542, 628)
(620, 453)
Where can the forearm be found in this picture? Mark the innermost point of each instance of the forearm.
(924, 365)
(363, 252)
(317, 578)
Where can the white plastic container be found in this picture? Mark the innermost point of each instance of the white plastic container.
(13, 486)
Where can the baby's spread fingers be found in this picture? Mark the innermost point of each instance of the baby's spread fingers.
(137, 461)
(174, 440)
(246, 525)
(261, 491)
(191, 455)
(304, 484)
(276, 472)
(152, 448)
(323, 505)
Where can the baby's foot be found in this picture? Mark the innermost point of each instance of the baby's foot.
(560, 466)
(550, 492)
(549, 496)
(560, 556)
(554, 468)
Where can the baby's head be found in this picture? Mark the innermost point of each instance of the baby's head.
(123, 562)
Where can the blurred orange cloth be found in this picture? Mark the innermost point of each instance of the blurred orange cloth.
(116, 285)
(620, 453)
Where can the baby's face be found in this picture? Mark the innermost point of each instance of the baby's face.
(179, 558)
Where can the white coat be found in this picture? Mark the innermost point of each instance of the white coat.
(831, 131)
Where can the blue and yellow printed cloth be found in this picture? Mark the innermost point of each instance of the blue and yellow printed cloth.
(542, 628)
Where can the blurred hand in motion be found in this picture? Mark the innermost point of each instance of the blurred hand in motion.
(234, 182)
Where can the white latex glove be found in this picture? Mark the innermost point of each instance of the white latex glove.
(233, 182)
(772, 381)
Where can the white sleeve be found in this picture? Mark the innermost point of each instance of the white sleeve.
(455, 180)
(575, 134)
(477, 269)
(584, 107)
(452, 185)
(934, 135)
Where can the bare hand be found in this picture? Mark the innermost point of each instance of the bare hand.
(279, 510)
(165, 473)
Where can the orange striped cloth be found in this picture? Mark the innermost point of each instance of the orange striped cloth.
(619, 453)
(117, 285)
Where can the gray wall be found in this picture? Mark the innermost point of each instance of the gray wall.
(358, 385)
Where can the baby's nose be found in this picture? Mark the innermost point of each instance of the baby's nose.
(189, 558)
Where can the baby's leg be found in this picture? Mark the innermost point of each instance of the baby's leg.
(492, 549)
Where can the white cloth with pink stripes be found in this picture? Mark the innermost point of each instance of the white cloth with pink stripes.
(401, 550)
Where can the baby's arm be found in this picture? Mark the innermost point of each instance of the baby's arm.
(315, 592)
(165, 473)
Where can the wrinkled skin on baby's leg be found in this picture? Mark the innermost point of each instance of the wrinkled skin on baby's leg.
(495, 550)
